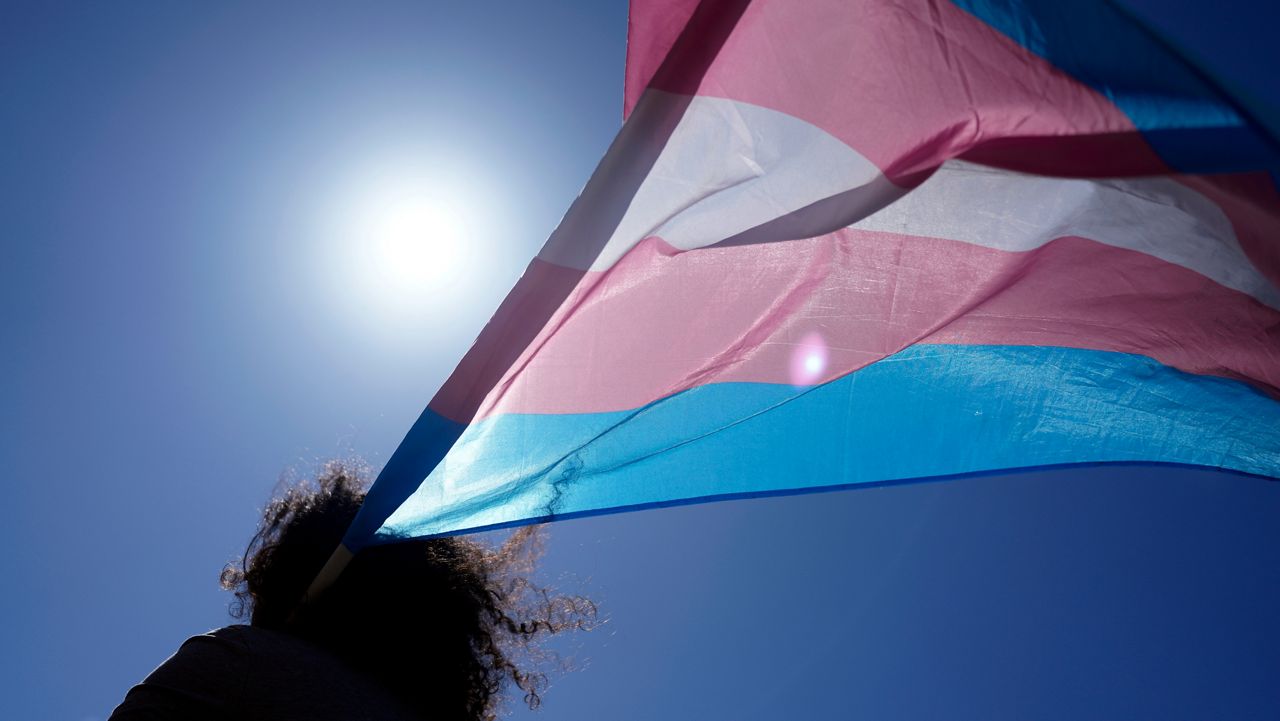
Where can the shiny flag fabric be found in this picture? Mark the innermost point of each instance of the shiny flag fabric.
(846, 242)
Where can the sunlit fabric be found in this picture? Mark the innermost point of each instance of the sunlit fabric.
(842, 242)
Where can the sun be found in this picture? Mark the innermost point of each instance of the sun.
(401, 249)
(407, 246)
(415, 244)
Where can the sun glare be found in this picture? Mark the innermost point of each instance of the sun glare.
(415, 244)
(404, 243)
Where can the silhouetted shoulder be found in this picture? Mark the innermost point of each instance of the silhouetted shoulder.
(246, 672)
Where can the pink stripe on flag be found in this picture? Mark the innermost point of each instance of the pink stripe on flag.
(515, 332)
(971, 91)
(652, 28)
(662, 321)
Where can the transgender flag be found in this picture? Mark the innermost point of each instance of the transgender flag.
(846, 242)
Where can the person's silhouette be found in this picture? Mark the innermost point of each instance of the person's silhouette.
(432, 628)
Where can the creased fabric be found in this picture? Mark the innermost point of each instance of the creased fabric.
(839, 243)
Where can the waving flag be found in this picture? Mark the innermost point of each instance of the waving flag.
(843, 242)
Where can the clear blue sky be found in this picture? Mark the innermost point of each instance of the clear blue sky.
(188, 315)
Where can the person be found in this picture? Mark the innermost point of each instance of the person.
(438, 628)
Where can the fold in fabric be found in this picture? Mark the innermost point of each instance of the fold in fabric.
(840, 243)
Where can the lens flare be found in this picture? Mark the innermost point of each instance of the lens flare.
(808, 360)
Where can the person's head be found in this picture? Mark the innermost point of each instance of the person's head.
(444, 623)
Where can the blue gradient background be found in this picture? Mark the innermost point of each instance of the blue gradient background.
(178, 335)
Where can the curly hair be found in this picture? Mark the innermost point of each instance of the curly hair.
(445, 623)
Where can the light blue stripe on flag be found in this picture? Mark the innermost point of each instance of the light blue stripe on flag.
(928, 411)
